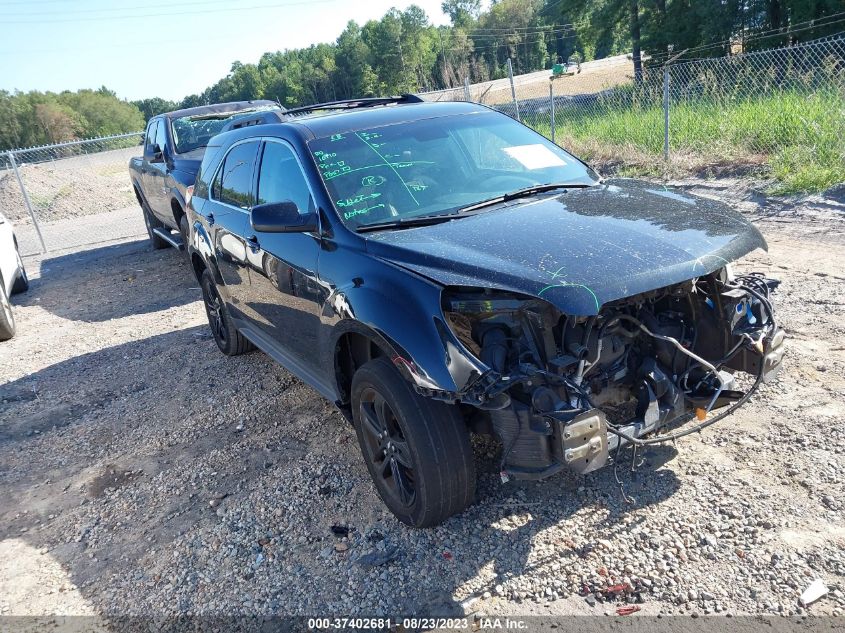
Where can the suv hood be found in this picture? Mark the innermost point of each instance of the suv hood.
(579, 249)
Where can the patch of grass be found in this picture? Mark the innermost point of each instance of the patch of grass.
(46, 201)
(798, 137)
(40, 201)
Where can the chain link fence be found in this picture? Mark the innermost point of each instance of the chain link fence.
(783, 108)
(780, 108)
(71, 194)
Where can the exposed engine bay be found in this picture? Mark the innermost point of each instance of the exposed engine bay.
(566, 391)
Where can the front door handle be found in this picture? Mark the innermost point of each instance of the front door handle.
(210, 219)
(252, 242)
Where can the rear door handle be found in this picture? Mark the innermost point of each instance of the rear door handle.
(252, 242)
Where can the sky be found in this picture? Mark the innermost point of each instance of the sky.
(159, 48)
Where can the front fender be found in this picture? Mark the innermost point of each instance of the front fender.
(401, 313)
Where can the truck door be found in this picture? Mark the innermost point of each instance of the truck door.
(156, 174)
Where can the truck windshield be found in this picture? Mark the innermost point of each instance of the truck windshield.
(433, 166)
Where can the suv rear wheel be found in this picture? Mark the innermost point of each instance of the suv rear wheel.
(228, 339)
(417, 450)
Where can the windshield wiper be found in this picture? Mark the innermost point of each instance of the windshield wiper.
(424, 220)
(522, 193)
(427, 220)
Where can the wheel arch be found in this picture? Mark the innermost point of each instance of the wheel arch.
(353, 347)
(198, 265)
(400, 313)
(139, 196)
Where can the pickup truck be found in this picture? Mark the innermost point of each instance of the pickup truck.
(173, 147)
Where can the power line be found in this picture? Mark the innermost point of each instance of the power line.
(501, 44)
(807, 25)
(539, 27)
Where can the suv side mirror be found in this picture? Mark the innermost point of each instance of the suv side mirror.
(282, 217)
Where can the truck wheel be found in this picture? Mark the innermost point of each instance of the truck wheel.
(184, 230)
(22, 282)
(7, 317)
(152, 223)
(228, 339)
(417, 450)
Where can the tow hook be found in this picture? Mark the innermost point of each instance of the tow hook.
(773, 358)
(585, 446)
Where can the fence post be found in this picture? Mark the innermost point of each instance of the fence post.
(513, 90)
(467, 96)
(552, 102)
(27, 202)
(666, 113)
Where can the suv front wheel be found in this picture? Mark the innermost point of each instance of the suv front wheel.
(417, 450)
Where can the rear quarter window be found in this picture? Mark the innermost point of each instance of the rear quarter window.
(209, 163)
(233, 182)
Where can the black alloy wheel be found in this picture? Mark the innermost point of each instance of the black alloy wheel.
(386, 446)
(416, 449)
(214, 311)
(228, 339)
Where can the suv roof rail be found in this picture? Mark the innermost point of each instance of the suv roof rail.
(254, 118)
(348, 104)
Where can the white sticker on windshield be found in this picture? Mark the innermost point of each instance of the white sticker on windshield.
(535, 156)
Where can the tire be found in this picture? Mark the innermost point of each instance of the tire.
(22, 282)
(430, 475)
(152, 223)
(228, 339)
(7, 317)
(184, 230)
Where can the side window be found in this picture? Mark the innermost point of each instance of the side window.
(233, 183)
(281, 178)
(161, 134)
(150, 138)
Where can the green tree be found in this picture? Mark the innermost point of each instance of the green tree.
(153, 106)
(462, 13)
(354, 75)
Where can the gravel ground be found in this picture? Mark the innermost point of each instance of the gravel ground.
(144, 473)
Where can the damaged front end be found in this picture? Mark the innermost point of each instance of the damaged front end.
(564, 391)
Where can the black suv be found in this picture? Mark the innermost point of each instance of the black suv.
(437, 269)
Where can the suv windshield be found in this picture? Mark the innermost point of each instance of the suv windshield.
(434, 166)
(193, 132)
